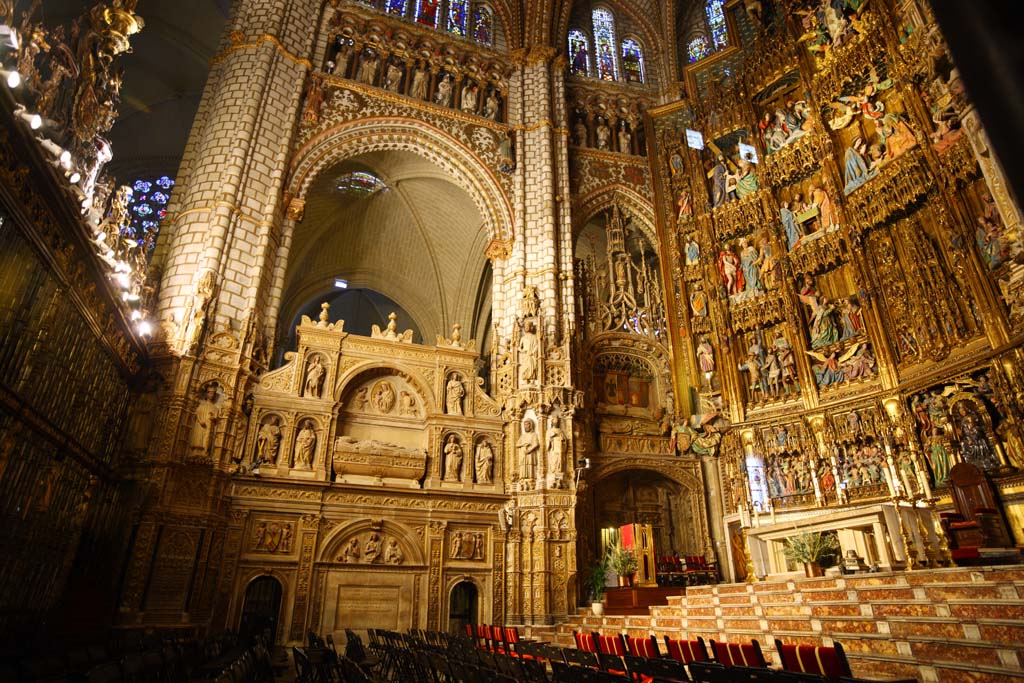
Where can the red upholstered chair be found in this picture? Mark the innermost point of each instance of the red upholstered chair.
(687, 651)
(829, 662)
(511, 639)
(497, 640)
(738, 654)
(643, 647)
(586, 642)
(612, 645)
(483, 634)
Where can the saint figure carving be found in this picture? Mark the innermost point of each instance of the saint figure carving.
(305, 445)
(267, 441)
(207, 414)
(482, 462)
(528, 445)
(529, 346)
(452, 460)
(453, 394)
(314, 378)
(556, 450)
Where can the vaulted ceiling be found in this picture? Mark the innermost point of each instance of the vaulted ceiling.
(419, 242)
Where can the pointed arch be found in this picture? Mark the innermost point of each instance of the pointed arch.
(636, 205)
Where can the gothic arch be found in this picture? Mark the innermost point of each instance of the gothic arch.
(649, 352)
(638, 207)
(407, 540)
(363, 136)
(659, 465)
(349, 376)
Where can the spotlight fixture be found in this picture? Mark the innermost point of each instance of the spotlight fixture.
(74, 177)
(136, 315)
(12, 77)
(34, 121)
(145, 329)
(61, 154)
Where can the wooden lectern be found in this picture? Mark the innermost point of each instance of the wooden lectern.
(640, 539)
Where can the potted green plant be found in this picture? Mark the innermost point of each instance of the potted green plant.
(623, 562)
(595, 580)
(814, 549)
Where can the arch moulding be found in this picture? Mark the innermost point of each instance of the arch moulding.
(363, 136)
(638, 208)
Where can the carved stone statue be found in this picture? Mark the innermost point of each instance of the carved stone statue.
(383, 397)
(453, 394)
(443, 96)
(371, 549)
(368, 69)
(305, 446)
(207, 414)
(314, 378)
(420, 81)
(529, 349)
(469, 97)
(492, 106)
(528, 445)
(393, 553)
(507, 515)
(452, 460)
(351, 554)
(604, 135)
(393, 77)
(268, 440)
(406, 403)
(555, 451)
(483, 460)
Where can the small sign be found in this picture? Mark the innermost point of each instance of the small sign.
(748, 152)
(694, 140)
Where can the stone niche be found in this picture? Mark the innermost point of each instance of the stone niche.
(373, 577)
(375, 411)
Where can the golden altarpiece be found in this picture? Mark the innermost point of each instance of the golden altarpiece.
(790, 299)
(845, 266)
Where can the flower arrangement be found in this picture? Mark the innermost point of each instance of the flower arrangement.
(812, 547)
(623, 562)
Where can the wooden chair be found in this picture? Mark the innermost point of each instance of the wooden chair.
(656, 670)
(751, 674)
(981, 524)
(708, 672)
(828, 663)
(687, 651)
(739, 654)
(585, 658)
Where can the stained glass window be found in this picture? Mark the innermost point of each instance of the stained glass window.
(426, 12)
(396, 6)
(457, 17)
(360, 182)
(697, 48)
(632, 61)
(715, 10)
(483, 25)
(579, 53)
(147, 208)
(604, 44)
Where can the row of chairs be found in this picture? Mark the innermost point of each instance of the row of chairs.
(690, 660)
